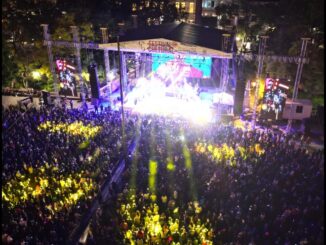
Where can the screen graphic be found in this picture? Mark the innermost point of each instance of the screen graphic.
(189, 65)
(274, 99)
(66, 76)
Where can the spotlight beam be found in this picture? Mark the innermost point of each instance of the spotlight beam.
(188, 165)
(133, 178)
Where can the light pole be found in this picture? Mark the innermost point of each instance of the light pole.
(76, 39)
(105, 39)
(121, 99)
(120, 80)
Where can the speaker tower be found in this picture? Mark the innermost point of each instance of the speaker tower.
(95, 87)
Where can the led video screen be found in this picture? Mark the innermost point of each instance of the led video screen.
(274, 99)
(188, 65)
(67, 81)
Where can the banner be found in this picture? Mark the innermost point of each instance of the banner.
(161, 45)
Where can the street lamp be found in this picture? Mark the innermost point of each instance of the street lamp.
(120, 80)
(36, 75)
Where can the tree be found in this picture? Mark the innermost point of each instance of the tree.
(225, 13)
(9, 67)
(22, 37)
(285, 27)
(170, 12)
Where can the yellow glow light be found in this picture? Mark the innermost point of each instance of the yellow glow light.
(85, 75)
(37, 184)
(225, 152)
(186, 154)
(152, 176)
(75, 129)
(36, 75)
(170, 166)
(150, 222)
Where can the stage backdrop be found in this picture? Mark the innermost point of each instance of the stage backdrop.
(190, 65)
(161, 45)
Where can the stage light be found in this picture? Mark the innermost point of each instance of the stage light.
(71, 67)
(111, 76)
(152, 176)
(248, 45)
(170, 166)
(283, 86)
(182, 137)
(154, 97)
(187, 156)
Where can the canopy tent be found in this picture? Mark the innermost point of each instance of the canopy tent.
(175, 38)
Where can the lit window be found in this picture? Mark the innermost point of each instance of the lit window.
(205, 4)
(192, 8)
(177, 5)
(183, 5)
(147, 4)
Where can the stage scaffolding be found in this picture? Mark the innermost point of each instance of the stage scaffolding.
(142, 58)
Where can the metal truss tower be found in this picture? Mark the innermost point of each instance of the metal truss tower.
(261, 50)
(48, 43)
(297, 79)
(105, 39)
(225, 63)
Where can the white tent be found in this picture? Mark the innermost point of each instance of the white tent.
(298, 109)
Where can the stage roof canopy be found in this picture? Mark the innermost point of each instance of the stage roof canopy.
(178, 38)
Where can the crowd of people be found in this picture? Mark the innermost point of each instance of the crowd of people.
(184, 184)
(216, 185)
(54, 162)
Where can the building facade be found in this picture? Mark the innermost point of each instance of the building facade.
(188, 7)
(208, 7)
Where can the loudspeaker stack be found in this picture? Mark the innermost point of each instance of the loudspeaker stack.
(95, 87)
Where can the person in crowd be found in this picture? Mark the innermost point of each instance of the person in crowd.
(96, 107)
(101, 107)
(71, 104)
